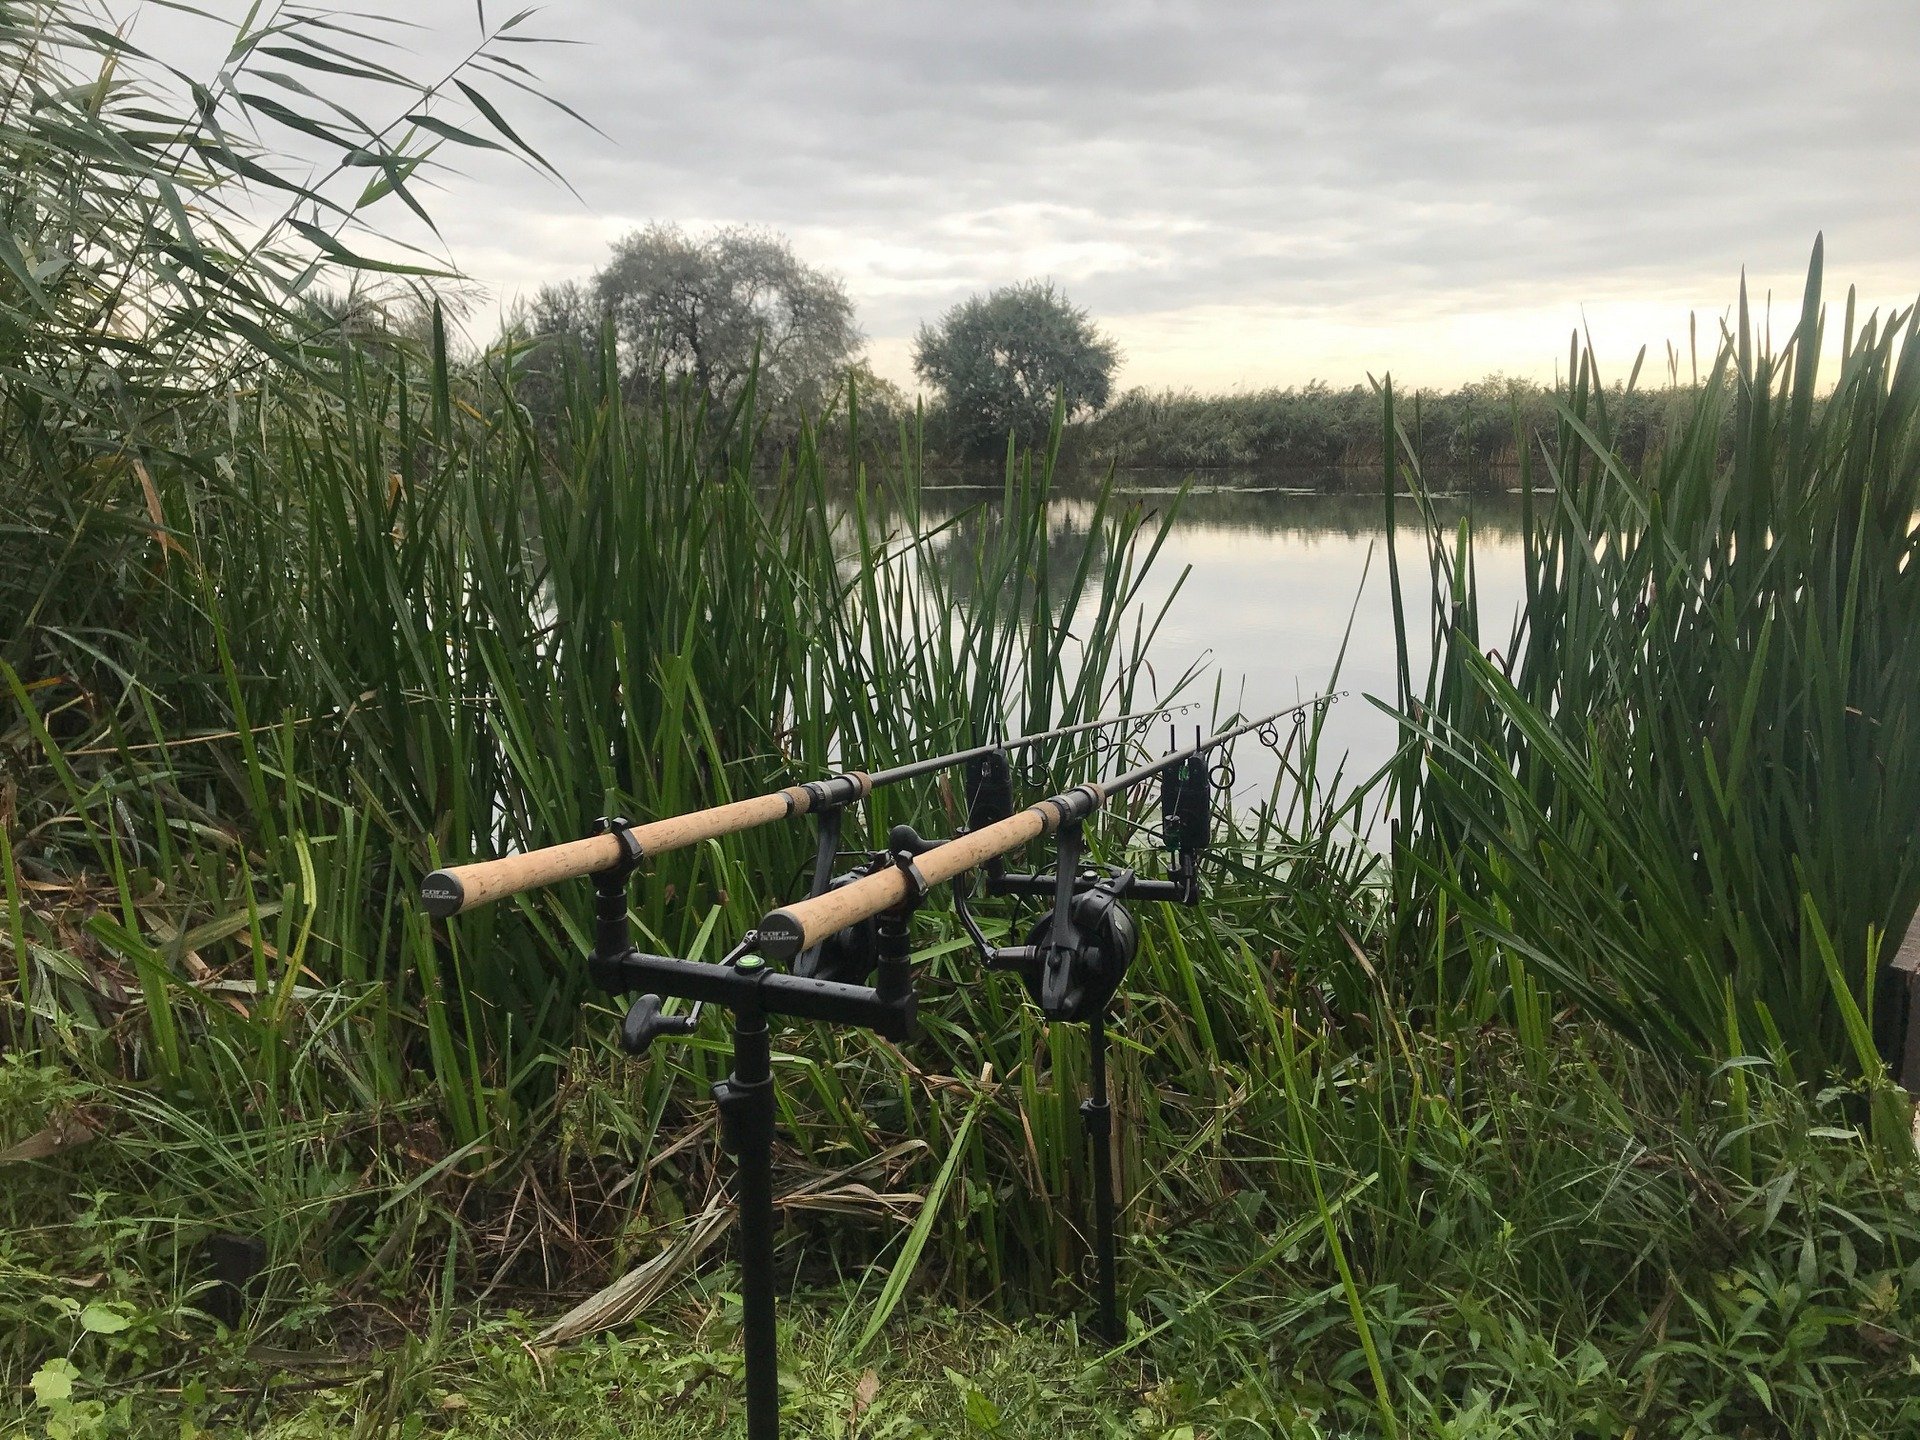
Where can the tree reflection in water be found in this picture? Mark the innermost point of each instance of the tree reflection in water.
(1273, 575)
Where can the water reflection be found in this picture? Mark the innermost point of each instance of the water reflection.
(969, 521)
(1271, 582)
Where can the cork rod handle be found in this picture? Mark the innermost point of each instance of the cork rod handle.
(465, 887)
(793, 928)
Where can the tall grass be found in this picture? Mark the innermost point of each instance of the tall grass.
(1680, 788)
(295, 631)
(272, 1041)
(410, 628)
(1340, 1214)
(170, 240)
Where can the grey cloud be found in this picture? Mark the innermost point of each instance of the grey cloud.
(1159, 157)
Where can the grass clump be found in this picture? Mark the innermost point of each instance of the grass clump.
(1533, 1245)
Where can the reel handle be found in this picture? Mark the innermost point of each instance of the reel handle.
(1027, 959)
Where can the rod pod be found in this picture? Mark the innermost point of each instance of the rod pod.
(454, 888)
(746, 985)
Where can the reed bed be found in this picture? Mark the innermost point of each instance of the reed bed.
(1358, 1195)
(1680, 786)
(1560, 1116)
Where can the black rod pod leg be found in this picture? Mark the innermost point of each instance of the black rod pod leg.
(745, 1099)
(1096, 1119)
(747, 986)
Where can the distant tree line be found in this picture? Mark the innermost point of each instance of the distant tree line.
(1472, 431)
(708, 315)
(711, 314)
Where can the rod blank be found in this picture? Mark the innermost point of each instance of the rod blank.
(913, 769)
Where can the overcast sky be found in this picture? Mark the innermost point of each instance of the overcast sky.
(1243, 194)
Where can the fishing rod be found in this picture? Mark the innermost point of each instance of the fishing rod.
(905, 881)
(455, 889)
(1073, 965)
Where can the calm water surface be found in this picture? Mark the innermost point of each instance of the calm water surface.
(1269, 583)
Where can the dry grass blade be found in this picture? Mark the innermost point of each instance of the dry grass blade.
(633, 1292)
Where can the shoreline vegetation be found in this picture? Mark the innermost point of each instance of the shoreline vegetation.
(1474, 435)
(733, 317)
(1487, 1133)
(1559, 1113)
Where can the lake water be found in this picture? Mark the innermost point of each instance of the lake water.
(1269, 581)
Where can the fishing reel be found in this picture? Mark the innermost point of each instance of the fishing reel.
(1077, 953)
(851, 956)
(847, 957)
(1073, 963)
